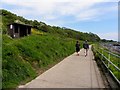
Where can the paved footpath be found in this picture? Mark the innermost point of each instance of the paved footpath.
(73, 72)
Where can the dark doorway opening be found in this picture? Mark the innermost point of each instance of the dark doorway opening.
(23, 31)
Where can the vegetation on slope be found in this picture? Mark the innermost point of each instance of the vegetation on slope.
(8, 17)
(23, 58)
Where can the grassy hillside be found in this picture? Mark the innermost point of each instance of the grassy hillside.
(23, 58)
(8, 17)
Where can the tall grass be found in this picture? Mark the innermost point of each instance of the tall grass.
(22, 58)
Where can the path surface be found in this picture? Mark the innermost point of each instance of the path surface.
(73, 72)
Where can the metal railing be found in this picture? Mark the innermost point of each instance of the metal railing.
(107, 59)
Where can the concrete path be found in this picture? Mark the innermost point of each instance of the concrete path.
(73, 72)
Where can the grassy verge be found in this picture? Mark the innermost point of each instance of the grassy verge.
(24, 58)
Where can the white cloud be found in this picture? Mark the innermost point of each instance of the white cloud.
(87, 15)
(16, 1)
(109, 36)
(52, 9)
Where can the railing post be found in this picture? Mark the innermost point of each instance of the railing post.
(102, 51)
(109, 59)
(102, 54)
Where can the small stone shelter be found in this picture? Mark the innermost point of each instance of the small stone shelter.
(17, 30)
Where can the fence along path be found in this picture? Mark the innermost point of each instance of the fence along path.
(73, 72)
(111, 62)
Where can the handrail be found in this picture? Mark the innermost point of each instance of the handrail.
(111, 53)
(109, 62)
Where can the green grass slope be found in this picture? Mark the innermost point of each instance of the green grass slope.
(24, 57)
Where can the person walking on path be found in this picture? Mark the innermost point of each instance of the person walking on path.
(86, 47)
(77, 47)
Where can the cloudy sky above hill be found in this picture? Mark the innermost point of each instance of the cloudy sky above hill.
(96, 16)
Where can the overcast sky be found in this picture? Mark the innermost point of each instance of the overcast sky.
(96, 16)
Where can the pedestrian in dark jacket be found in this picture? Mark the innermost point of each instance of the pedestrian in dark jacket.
(77, 47)
(86, 47)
